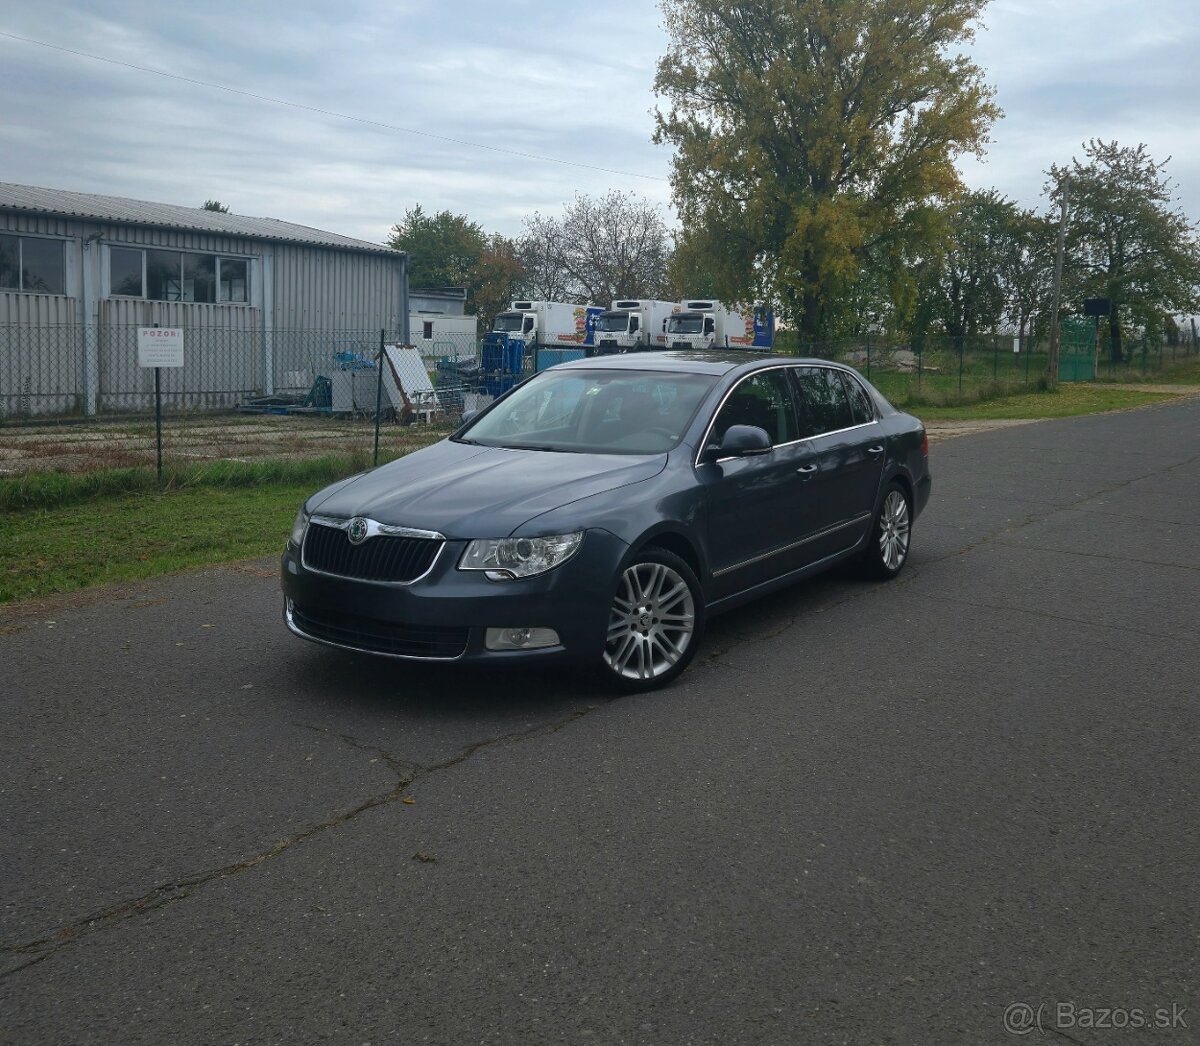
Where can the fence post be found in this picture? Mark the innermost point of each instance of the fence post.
(378, 395)
(962, 352)
(868, 356)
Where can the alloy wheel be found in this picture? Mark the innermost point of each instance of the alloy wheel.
(894, 531)
(651, 623)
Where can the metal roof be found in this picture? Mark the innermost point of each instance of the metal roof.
(31, 199)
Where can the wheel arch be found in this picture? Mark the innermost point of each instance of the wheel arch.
(904, 481)
(677, 543)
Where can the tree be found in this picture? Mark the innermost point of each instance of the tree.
(541, 252)
(444, 249)
(450, 250)
(614, 247)
(215, 205)
(806, 131)
(1125, 242)
(498, 277)
(986, 246)
(1027, 272)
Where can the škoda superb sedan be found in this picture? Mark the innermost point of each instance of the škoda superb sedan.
(602, 510)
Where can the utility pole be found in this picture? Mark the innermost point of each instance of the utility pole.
(1052, 366)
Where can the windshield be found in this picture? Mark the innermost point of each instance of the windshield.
(509, 322)
(685, 324)
(593, 411)
(612, 322)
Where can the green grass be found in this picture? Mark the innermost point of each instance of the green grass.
(138, 535)
(1181, 371)
(60, 532)
(1068, 401)
(43, 490)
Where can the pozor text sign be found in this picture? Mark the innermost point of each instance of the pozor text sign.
(160, 346)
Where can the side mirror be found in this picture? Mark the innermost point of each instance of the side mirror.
(740, 441)
(469, 416)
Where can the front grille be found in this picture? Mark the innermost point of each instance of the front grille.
(381, 637)
(381, 558)
(681, 345)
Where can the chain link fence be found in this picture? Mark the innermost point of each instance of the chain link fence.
(74, 398)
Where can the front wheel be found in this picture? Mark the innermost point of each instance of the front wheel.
(887, 548)
(655, 622)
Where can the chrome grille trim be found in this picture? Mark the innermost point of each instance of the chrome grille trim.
(376, 555)
(374, 528)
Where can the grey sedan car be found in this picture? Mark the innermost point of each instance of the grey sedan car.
(601, 510)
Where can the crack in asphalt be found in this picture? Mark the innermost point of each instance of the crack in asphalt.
(1033, 611)
(407, 774)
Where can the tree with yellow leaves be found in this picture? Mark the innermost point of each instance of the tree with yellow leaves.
(812, 136)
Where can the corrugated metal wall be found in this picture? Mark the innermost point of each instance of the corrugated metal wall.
(329, 290)
(306, 303)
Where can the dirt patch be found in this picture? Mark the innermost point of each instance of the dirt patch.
(82, 447)
(942, 430)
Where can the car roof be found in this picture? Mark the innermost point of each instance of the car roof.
(699, 361)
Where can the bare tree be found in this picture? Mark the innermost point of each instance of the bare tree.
(614, 247)
(540, 252)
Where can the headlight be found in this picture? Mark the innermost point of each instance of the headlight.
(505, 559)
(298, 528)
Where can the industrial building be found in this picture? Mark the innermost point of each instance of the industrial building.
(263, 303)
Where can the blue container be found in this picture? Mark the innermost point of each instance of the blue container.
(502, 360)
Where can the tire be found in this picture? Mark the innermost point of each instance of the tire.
(887, 548)
(655, 622)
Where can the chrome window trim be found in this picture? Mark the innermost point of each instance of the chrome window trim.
(790, 443)
(720, 406)
(374, 529)
(795, 544)
(851, 375)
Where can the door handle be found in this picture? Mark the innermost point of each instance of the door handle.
(875, 450)
(807, 470)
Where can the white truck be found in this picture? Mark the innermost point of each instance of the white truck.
(632, 324)
(552, 324)
(702, 323)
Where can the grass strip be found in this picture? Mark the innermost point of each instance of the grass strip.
(1068, 400)
(139, 535)
(44, 490)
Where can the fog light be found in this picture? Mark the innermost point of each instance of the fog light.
(520, 638)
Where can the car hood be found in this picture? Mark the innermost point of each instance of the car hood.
(466, 491)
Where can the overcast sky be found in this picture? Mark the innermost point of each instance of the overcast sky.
(552, 79)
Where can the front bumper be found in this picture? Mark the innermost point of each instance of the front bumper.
(444, 615)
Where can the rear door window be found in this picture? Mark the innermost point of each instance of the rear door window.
(862, 410)
(824, 404)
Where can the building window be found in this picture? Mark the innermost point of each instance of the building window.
(178, 276)
(125, 272)
(32, 263)
(427, 329)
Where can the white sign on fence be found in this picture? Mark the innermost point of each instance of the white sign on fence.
(160, 346)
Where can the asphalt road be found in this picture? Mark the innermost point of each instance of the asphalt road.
(867, 814)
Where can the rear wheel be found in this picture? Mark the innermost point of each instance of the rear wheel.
(887, 549)
(655, 622)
